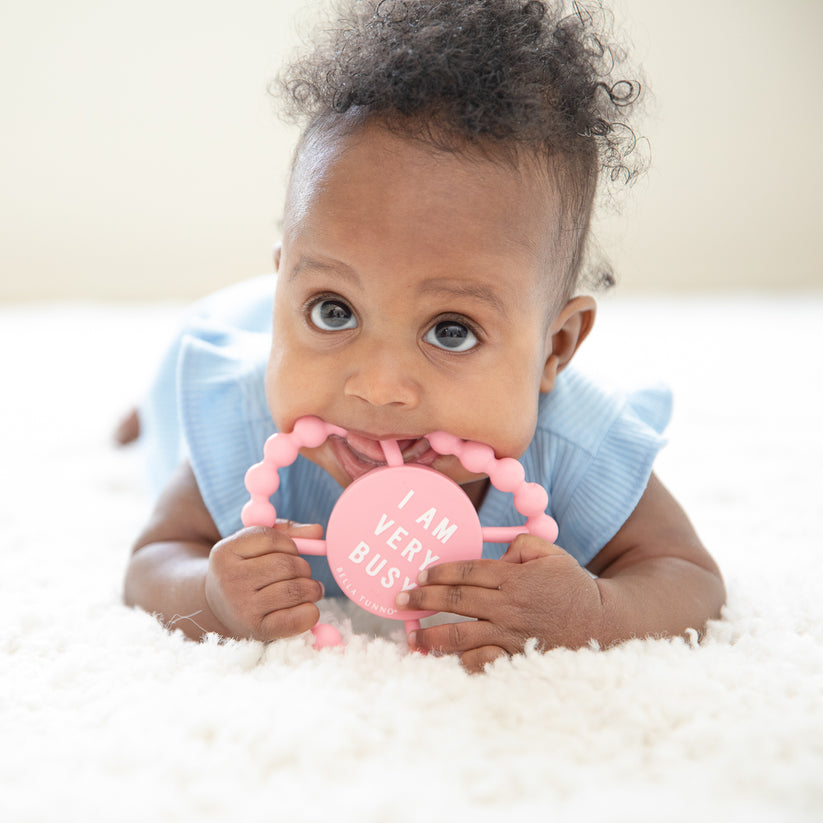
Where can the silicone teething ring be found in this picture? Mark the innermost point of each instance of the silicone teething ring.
(506, 474)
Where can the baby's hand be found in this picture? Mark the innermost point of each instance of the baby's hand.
(257, 585)
(535, 590)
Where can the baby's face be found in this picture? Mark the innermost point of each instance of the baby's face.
(412, 296)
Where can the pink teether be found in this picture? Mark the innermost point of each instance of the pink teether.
(396, 520)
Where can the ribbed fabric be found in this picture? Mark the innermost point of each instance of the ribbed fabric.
(246, 306)
(224, 419)
(593, 450)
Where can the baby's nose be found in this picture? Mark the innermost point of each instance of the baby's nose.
(382, 377)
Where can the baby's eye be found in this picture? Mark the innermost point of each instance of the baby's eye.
(332, 315)
(451, 336)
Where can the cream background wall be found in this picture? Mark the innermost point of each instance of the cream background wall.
(140, 157)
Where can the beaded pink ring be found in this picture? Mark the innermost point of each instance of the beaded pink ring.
(397, 519)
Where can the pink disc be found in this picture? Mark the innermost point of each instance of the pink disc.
(392, 523)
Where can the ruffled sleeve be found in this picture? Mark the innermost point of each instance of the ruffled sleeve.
(593, 451)
(602, 458)
(223, 413)
(210, 322)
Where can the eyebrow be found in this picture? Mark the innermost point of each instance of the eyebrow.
(457, 288)
(337, 267)
(436, 285)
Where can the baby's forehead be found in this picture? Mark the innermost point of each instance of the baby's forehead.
(363, 147)
(451, 211)
(386, 162)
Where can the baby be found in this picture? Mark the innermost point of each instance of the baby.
(429, 278)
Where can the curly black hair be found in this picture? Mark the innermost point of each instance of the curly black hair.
(498, 75)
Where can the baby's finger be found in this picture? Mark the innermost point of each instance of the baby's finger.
(276, 567)
(454, 638)
(293, 529)
(486, 574)
(256, 541)
(286, 594)
(476, 660)
(467, 601)
(527, 547)
(287, 622)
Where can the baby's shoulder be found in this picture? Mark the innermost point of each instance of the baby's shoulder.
(583, 412)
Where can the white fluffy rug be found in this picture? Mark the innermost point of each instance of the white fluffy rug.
(106, 717)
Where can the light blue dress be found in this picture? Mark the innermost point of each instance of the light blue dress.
(592, 450)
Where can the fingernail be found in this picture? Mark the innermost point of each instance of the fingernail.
(322, 590)
(423, 577)
(412, 640)
(402, 599)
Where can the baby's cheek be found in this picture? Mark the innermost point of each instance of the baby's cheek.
(515, 429)
(282, 419)
(284, 386)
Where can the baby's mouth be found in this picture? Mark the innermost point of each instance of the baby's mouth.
(358, 454)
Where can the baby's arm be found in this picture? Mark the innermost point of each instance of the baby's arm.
(655, 575)
(251, 584)
(654, 578)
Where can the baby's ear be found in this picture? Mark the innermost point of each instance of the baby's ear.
(569, 329)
